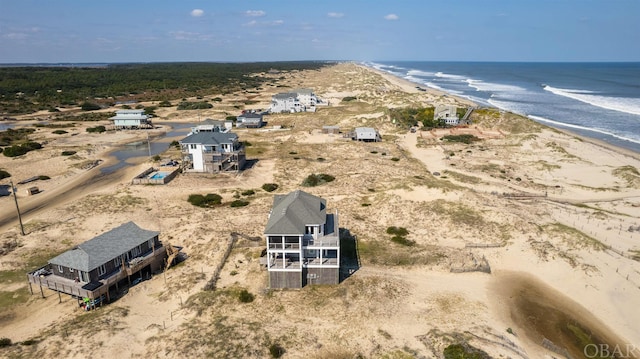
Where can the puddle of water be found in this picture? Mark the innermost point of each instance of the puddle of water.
(141, 149)
(544, 313)
(6, 126)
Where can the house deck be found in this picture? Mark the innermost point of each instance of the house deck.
(71, 287)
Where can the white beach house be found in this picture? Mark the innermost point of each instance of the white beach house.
(212, 152)
(130, 119)
(298, 100)
(446, 114)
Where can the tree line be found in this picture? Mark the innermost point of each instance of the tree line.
(30, 88)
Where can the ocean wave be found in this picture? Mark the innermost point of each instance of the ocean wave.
(620, 104)
(419, 81)
(420, 73)
(507, 106)
(449, 76)
(590, 129)
(492, 87)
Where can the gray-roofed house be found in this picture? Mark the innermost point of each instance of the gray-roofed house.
(131, 119)
(366, 134)
(93, 267)
(249, 120)
(303, 243)
(212, 152)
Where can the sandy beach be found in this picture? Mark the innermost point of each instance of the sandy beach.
(554, 216)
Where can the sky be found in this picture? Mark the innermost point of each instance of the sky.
(75, 31)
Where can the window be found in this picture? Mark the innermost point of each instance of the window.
(70, 270)
(192, 146)
(117, 261)
(60, 269)
(151, 242)
(102, 270)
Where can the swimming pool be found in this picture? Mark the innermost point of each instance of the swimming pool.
(159, 175)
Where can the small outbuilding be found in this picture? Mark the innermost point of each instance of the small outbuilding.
(249, 120)
(366, 134)
(331, 129)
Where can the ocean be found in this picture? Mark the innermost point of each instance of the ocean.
(597, 100)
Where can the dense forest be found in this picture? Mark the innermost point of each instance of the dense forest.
(32, 88)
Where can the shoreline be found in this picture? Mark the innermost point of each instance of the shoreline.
(410, 87)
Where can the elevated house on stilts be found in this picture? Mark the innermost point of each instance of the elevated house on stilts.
(93, 269)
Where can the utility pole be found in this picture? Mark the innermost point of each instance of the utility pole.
(15, 197)
(149, 144)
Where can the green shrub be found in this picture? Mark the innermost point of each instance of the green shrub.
(317, 179)
(89, 106)
(4, 174)
(157, 158)
(1, 149)
(59, 132)
(238, 203)
(249, 192)
(402, 241)
(19, 150)
(201, 105)
(311, 181)
(245, 297)
(460, 351)
(43, 178)
(68, 153)
(29, 342)
(207, 201)
(398, 231)
(231, 118)
(216, 99)
(165, 104)
(395, 159)
(326, 177)
(276, 350)
(5, 342)
(269, 187)
(349, 98)
(97, 129)
(464, 138)
(175, 144)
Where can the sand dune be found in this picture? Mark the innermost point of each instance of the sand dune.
(555, 217)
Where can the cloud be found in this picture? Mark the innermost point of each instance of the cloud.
(277, 22)
(15, 36)
(184, 35)
(197, 12)
(335, 14)
(391, 17)
(255, 13)
(251, 23)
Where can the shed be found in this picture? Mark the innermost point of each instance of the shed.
(366, 134)
(331, 129)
